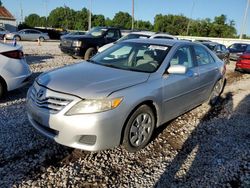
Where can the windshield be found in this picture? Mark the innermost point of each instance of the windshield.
(96, 32)
(133, 56)
(133, 36)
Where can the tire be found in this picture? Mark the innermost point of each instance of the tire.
(216, 92)
(18, 38)
(139, 129)
(2, 91)
(42, 39)
(89, 53)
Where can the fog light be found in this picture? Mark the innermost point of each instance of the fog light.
(88, 139)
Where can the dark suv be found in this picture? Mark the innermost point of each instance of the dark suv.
(86, 46)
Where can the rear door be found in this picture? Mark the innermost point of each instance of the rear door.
(180, 91)
(208, 70)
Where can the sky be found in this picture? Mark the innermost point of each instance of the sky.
(144, 9)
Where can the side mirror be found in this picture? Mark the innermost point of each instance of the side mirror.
(177, 69)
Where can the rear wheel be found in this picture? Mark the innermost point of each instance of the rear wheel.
(214, 96)
(42, 39)
(18, 38)
(89, 53)
(139, 129)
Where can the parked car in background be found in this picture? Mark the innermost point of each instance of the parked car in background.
(75, 33)
(139, 34)
(237, 49)
(27, 34)
(85, 46)
(122, 94)
(219, 49)
(14, 71)
(243, 63)
(202, 40)
(3, 32)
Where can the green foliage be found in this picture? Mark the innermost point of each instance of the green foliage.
(66, 18)
(143, 25)
(33, 20)
(98, 20)
(122, 20)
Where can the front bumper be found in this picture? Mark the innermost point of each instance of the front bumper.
(90, 132)
(73, 51)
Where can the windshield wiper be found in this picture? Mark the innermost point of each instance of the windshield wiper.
(111, 65)
(91, 61)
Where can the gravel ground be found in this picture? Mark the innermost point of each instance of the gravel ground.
(202, 148)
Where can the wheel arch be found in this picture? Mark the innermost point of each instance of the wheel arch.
(4, 84)
(149, 103)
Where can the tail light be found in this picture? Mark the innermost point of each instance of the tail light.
(15, 54)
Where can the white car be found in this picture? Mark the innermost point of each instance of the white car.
(141, 35)
(14, 71)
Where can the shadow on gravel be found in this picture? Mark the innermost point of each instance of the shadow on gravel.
(37, 59)
(217, 146)
(19, 93)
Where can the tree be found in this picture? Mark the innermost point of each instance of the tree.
(173, 24)
(33, 20)
(143, 25)
(81, 20)
(98, 20)
(122, 20)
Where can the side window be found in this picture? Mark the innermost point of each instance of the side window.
(182, 57)
(202, 56)
(114, 34)
(217, 48)
(223, 48)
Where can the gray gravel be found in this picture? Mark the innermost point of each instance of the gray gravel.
(202, 148)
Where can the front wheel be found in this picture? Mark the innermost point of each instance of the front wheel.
(89, 53)
(1, 90)
(139, 129)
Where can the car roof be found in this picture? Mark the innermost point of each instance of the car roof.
(148, 33)
(211, 43)
(167, 42)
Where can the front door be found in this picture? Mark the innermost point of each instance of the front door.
(180, 90)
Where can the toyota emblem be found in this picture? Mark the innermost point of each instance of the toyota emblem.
(40, 94)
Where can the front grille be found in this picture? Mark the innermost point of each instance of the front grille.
(66, 43)
(53, 104)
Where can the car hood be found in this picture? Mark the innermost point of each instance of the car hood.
(89, 80)
(78, 37)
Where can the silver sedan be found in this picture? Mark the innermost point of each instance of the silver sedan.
(122, 94)
(27, 34)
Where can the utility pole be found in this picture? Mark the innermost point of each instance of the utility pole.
(90, 12)
(133, 14)
(46, 14)
(21, 12)
(191, 15)
(244, 22)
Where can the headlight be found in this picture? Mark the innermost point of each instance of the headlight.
(94, 106)
(77, 43)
